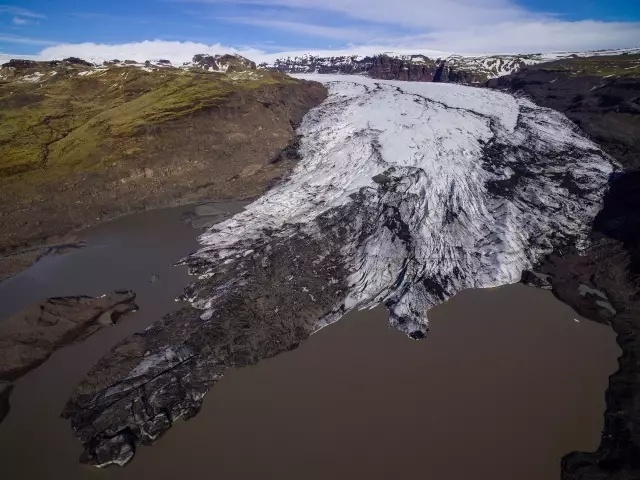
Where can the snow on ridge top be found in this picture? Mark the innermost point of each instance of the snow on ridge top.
(478, 68)
(428, 189)
(27, 70)
(436, 54)
(595, 53)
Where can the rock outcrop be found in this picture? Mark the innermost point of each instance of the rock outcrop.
(5, 393)
(414, 68)
(20, 64)
(78, 61)
(222, 63)
(29, 337)
(23, 64)
(421, 68)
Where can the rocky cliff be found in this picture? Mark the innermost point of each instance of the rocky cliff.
(222, 63)
(415, 68)
(422, 68)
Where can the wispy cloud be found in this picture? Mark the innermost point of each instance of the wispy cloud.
(530, 38)
(90, 15)
(19, 21)
(409, 13)
(108, 16)
(308, 29)
(465, 26)
(176, 52)
(25, 40)
(431, 27)
(535, 37)
(149, 19)
(19, 11)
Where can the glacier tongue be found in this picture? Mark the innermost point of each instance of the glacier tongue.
(430, 189)
(406, 194)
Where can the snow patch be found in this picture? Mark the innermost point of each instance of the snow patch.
(33, 78)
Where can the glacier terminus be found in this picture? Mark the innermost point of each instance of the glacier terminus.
(405, 194)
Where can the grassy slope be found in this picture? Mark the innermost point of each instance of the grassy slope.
(602, 66)
(63, 122)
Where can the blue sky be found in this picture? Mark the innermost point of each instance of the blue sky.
(263, 27)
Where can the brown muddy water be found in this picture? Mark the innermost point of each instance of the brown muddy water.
(506, 382)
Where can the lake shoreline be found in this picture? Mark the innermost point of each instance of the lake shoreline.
(41, 378)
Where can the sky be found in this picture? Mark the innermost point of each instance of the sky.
(266, 29)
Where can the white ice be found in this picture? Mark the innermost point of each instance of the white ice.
(431, 139)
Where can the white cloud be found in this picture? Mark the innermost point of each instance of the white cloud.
(309, 29)
(19, 11)
(409, 13)
(25, 40)
(365, 27)
(532, 37)
(461, 26)
(20, 21)
(507, 37)
(176, 52)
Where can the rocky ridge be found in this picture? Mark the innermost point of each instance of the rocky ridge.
(418, 68)
(5, 393)
(227, 63)
(221, 63)
(422, 68)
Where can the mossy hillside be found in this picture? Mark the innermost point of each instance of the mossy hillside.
(603, 66)
(73, 118)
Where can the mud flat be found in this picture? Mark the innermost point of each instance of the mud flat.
(505, 384)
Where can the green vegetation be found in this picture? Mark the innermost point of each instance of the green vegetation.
(603, 66)
(64, 118)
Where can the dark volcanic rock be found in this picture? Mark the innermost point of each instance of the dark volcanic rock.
(29, 337)
(160, 375)
(390, 68)
(5, 393)
(20, 64)
(608, 109)
(205, 61)
(78, 61)
(223, 63)
(420, 69)
(450, 74)
(352, 65)
(412, 68)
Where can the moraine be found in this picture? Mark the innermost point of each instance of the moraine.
(406, 193)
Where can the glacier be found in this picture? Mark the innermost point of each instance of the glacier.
(405, 194)
(451, 188)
